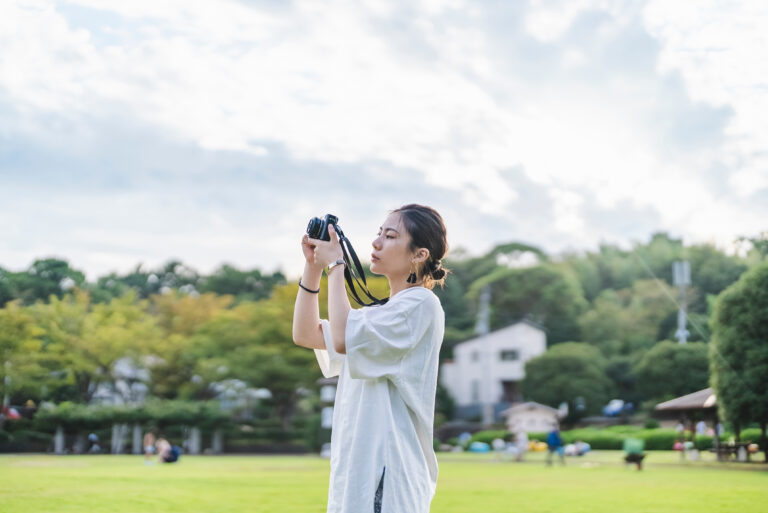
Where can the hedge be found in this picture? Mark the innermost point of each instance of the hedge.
(612, 438)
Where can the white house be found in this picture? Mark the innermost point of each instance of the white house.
(530, 417)
(487, 370)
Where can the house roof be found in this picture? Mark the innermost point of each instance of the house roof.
(521, 321)
(528, 406)
(703, 399)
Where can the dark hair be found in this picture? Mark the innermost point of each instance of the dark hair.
(427, 230)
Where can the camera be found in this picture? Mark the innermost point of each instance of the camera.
(318, 228)
(354, 274)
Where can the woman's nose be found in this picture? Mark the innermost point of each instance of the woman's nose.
(376, 243)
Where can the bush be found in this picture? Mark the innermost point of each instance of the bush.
(658, 439)
(599, 439)
(651, 424)
(704, 442)
(752, 435)
(489, 436)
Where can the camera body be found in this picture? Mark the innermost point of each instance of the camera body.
(318, 228)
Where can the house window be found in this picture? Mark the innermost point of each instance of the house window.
(475, 356)
(475, 391)
(510, 355)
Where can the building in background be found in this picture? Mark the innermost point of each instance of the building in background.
(484, 376)
(531, 417)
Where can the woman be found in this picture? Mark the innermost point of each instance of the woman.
(386, 357)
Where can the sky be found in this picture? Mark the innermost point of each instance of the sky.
(212, 131)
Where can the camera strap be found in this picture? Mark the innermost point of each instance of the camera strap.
(355, 274)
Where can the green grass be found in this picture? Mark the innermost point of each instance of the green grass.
(468, 483)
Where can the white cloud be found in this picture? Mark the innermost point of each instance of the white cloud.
(719, 48)
(327, 84)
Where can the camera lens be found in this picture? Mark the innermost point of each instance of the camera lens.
(315, 228)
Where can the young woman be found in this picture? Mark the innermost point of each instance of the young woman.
(386, 358)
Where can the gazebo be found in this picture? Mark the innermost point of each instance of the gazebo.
(702, 403)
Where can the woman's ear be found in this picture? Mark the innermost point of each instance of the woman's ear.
(422, 255)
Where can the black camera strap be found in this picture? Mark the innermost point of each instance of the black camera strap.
(355, 274)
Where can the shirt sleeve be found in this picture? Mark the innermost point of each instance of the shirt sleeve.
(379, 338)
(329, 360)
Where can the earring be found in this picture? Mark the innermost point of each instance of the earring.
(411, 277)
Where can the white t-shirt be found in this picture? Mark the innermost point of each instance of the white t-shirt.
(385, 402)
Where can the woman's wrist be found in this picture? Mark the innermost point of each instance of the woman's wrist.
(311, 277)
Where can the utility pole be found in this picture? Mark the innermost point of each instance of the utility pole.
(482, 328)
(681, 272)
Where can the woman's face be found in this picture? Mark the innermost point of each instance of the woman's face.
(391, 254)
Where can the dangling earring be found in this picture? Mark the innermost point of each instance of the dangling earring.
(411, 277)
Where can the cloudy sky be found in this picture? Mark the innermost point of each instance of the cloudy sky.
(211, 131)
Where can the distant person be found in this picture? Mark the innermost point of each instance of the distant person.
(149, 446)
(555, 445)
(521, 442)
(701, 428)
(163, 449)
(93, 438)
(633, 452)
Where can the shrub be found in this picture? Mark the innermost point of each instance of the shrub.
(658, 439)
(599, 439)
(651, 424)
(488, 436)
(752, 435)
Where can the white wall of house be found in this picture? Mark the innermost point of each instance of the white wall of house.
(481, 366)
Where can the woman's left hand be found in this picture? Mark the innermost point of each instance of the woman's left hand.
(327, 252)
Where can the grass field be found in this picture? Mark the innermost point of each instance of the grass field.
(468, 483)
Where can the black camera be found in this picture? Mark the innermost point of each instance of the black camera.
(353, 270)
(318, 228)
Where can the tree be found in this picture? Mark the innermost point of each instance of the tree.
(6, 292)
(545, 293)
(173, 360)
(84, 341)
(20, 345)
(671, 369)
(628, 321)
(739, 350)
(45, 278)
(243, 285)
(572, 372)
(711, 272)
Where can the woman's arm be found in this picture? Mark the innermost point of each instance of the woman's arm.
(306, 312)
(307, 331)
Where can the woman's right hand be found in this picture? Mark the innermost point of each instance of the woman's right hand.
(308, 248)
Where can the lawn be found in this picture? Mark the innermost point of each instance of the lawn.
(468, 483)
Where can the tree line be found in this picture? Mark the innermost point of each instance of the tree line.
(610, 317)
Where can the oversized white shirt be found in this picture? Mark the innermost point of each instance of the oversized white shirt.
(385, 401)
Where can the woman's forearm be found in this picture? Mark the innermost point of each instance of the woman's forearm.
(306, 312)
(338, 308)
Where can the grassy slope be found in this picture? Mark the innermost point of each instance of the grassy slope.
(468, 484)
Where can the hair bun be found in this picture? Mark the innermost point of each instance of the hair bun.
(438, 273)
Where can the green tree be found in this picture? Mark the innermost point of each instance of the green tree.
(6, 292)
(174, 358)
(627, 321)
(84, 341)
(44, 279)
(739, 350)
(572, 372)
(20, 346)
(546, 294)
(711, 272)
(671, 369)
(243, 285)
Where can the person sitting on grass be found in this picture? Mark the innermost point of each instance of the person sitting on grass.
(633, 447)
(166, 452)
